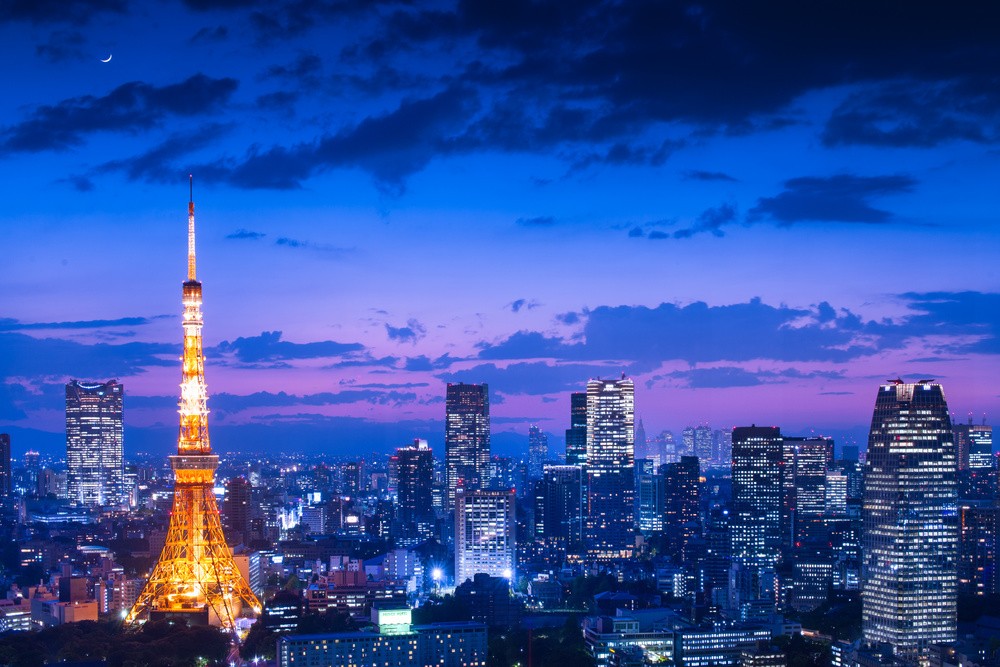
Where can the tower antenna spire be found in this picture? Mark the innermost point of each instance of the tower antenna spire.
(191, 261)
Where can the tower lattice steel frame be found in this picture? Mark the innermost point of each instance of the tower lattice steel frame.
(195, 573)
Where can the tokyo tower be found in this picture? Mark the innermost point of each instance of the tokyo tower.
(195, 576)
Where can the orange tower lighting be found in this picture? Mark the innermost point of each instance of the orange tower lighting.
(195, 576)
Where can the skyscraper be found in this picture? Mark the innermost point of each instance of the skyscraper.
(703, 444)
(195, 575)
(95, 465)
(467, 437)
(415, 470)
(5, 469)
(805, 467)
(909, 595)
(538, 452)
(680, 504)
(484, 534)
(648, 498)
(755, 521)
(609, 527)
(236, 508)
(558, 509)
(576, 434)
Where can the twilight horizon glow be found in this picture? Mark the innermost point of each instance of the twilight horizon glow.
(755, 222)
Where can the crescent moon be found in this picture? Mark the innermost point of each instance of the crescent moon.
(106, 61)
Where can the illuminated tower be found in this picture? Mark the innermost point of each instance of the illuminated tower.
(195, 576)
(909, 596)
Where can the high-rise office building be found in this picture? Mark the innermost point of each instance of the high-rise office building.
(980, 447)
(646, 448)
(95, 465)
(680, 505)
(973, 445)
(687, 442)
(559, 509)
(722, 447)
(703, 444)
(609, 526)
(466, 437)
(977, 547)
(909, 596)
(6, 476)
(415, 509)
(649, 498)
(236, 507)
(484, 534)
(538, 452)
(576, 434)
(805, 468)
(756, 518)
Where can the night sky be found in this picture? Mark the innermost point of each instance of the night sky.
(759, 211)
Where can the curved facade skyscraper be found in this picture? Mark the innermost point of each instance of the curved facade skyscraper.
(909, 594)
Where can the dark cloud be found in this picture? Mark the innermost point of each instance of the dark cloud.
(159, 164)
(424, 363)
(233, 403)
(389, 147)
(568, 318)
(699, 175)
(539, 221)
(522, 304)
(59, 11)
(323, 248)
(269, 347)
(411, 333)
(208, 34)
(694, 333)
(710, 220)
(278, 100)
(975, 314)
(212, 5)
(734, 376)
(713, 62)
(25, 356)
(79, 183)
(621, 153)
(918, 114)
(63, 45)
(305, 69)
(534, 378)
(7, 324)
(246, 234)
(389, 385)
(526, 345)
(956, 323)
(364, 360)
(840, 198)
(128, 108)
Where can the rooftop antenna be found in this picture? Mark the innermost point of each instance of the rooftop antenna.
(191, 262)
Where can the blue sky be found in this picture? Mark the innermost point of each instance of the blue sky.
(759, 211)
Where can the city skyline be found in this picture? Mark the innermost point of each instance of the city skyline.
(393, 199)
